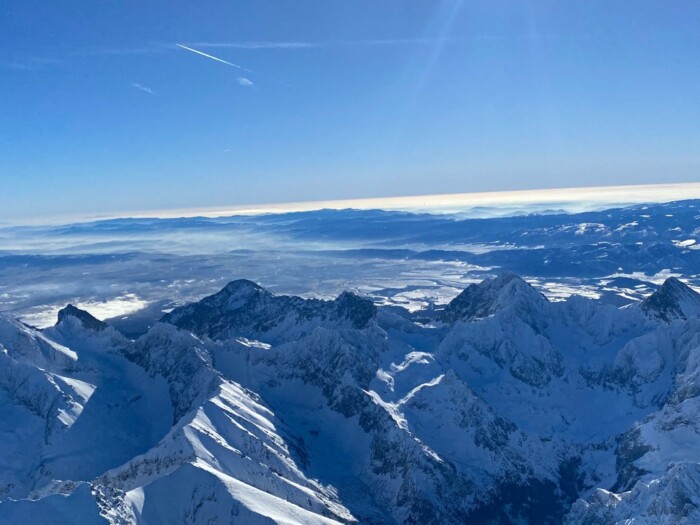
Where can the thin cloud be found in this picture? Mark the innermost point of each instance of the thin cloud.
(145, 89)
(33, 63)
(213, 58)
(245, 82)
(311, 45)
(257, 45)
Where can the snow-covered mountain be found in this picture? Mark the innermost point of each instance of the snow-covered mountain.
(673, 300)
(129, 271)
(252, 407)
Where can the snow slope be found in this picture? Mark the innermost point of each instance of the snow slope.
(250, 407)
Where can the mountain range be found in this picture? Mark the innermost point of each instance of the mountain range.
(129, 271)
(503, 407)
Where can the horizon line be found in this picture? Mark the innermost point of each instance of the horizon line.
(584, 198)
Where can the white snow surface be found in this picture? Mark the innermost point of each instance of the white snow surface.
(507, 407)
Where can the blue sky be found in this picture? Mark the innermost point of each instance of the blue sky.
(101, 111)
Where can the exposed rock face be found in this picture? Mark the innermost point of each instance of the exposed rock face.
(673, 300)
(257, 408)
(243, 308)
(674, 499)
(85, 318)
(477, 301)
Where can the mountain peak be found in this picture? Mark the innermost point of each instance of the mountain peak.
(675, 286)
(490, 295)
(357, 309)
(241, 291)
(673, 300)
(242, 286)
(86, 319)
(243, 308)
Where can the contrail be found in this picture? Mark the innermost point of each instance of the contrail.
(214, 58)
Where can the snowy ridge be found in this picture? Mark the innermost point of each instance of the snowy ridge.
(256, 408)
(230, 441)
(673, 300)
(477, 301)
(672, 499)
(245, 309)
